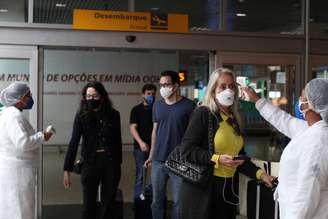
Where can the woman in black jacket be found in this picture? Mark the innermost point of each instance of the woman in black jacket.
(218, 199)
(99, 126)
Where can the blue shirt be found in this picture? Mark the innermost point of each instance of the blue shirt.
(172, 121)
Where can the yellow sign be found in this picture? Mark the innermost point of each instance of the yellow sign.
(182, 76)
(129, 21)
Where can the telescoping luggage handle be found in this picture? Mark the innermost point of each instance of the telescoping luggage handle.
(258, 196)
(144, 183)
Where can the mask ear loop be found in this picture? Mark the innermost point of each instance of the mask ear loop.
(305, 110)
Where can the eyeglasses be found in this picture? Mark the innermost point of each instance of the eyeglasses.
(165, 85)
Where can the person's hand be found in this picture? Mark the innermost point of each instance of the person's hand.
(144, 147)
(67, 180)
(147, 163)
(251, 93)
(267, 179)
(227, 160)
(47, 135)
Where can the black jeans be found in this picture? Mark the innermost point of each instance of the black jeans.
(103, 171)
(208, 202)
(224, 198)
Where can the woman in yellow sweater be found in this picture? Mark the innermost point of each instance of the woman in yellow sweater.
(218, 199)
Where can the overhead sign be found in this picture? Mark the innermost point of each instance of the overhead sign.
(129, 21)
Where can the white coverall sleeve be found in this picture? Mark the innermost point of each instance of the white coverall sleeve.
(281, 120)
(18, 131)
(311, 177)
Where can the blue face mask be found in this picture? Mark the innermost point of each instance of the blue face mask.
(29, 104)
(150, 100)
(298, 113)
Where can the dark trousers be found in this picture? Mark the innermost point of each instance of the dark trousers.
(224, 200)
(103, 171)
(207, 202)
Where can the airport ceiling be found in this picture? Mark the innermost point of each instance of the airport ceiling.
(241, 15)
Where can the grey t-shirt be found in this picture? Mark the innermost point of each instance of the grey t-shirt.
(172, 122)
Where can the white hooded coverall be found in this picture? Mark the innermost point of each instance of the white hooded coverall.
(19, 145)
(303, 174)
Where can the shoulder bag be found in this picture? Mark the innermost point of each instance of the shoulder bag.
(192, 172)
(77, 168)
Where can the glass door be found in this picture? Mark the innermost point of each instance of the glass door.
(277, 78)
(19, 63)
(318, 67)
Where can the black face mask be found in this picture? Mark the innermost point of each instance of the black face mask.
(93, 104)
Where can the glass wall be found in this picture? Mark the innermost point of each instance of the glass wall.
(279, 16)
(123, 73)
(203, 15)
(13, 70)
(14, 10)
(318, 18)
(276, 83)
(61, 12)
(263, 16)
(320, 72)
(282, 16)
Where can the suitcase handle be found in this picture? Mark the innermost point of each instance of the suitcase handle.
(144, 183)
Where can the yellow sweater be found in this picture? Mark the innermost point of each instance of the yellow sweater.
(227, 142)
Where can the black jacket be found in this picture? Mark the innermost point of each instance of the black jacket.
(195, 141)
(196, 201)
(100, 128)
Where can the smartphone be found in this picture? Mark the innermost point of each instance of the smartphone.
(240, 157)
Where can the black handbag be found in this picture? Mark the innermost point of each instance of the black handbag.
(77, 168)
(192, 172)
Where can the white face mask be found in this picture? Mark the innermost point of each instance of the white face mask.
(166, 92)
(300, 109)
(226, 97)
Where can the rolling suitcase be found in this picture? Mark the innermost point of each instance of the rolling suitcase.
(260, 203)
(142, 204)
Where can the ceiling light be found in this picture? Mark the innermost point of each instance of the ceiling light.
(3, 10)
(241, 15)
(60, 5)
(274, 67)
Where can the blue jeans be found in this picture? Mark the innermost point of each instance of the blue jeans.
(140, 158)
(159, 178)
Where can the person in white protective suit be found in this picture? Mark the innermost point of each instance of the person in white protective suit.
(303, 174)
(19, 145)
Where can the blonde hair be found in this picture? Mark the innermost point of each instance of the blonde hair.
(210, 95)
